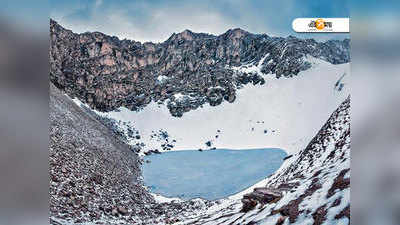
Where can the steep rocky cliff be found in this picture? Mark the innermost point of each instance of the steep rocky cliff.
(189, 69)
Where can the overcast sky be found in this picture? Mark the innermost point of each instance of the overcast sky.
(156, 20)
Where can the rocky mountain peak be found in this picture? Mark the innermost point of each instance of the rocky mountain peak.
(186, 35)
(236, 33)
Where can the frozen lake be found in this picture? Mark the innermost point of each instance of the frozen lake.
(211, 174)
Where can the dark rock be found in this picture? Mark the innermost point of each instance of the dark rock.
(339, 183)
(248, 204)
(288, 157)
(54, 179)
(281, 220)
(319, 215)
(344, 213)
(122, 210)
(260, 195)
(97, 178)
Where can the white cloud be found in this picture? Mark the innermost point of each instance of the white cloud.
(158, 23)
(144, 21)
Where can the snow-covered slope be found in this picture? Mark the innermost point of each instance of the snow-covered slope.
(283, 113)
(315, 184)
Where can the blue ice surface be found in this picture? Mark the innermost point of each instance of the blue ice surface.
(210, 174)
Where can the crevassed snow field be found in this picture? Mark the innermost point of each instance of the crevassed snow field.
(291, 110)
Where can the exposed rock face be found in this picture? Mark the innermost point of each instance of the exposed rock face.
(189, 69)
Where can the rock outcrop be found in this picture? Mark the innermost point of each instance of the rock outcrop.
(261, 195)
(187, 70)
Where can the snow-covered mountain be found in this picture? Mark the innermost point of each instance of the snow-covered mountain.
(192, 91)
(199, 91)
(187, 71)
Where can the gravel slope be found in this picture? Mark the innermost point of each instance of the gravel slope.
(95, 177)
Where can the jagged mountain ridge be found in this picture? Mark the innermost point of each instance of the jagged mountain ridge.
(188, 69)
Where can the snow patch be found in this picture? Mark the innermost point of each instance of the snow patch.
(161, 79)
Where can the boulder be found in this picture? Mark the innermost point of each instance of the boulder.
(122, 210)
(261, 195)
(248, 204)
